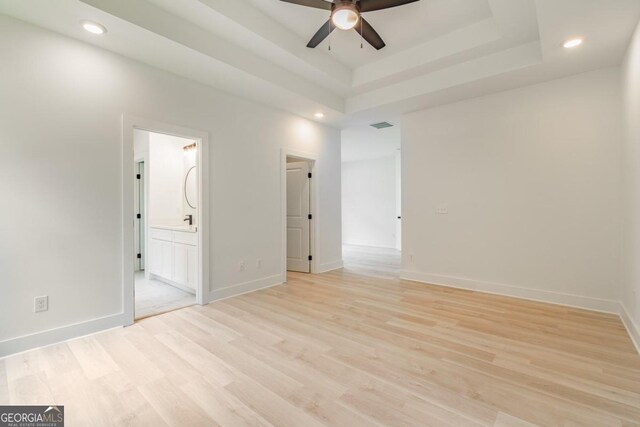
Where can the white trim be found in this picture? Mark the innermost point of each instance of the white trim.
(129, 123)
(329, 266)
(370, 244)
(315, 208)
(595, 304)
(171, 283)
(632, 329)
(245, 288)
(56, 335)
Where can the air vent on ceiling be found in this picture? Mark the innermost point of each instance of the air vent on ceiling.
(382, 125)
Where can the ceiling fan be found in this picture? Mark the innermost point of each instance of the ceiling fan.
(347, 15)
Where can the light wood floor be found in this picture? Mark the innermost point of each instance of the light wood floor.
(343, 349)
(376, 262)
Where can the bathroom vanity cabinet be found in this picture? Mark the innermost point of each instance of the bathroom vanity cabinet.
(173, 256)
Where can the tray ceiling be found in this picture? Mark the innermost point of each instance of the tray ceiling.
(438, 51)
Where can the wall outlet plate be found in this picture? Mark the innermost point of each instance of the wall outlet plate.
(40, 304)
(442, 210)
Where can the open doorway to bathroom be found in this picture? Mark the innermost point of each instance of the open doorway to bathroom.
(166, 222)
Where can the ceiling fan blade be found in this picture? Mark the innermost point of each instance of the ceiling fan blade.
(371, 5)
(318, 4)
(369, 34)
(321, 34)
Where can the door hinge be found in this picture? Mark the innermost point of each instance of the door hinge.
(137, 176)
(309, 175)
(310, 216)
(138, 216)
(310, 258)
(139, 256)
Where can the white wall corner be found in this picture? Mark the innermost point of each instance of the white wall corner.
(632, 328)
(570, 300)
(329, 266)
(63, 333)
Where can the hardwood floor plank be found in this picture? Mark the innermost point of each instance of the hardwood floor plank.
(174, 407)
(356, 346)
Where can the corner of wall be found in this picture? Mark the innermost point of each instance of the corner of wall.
(329, 266)
(244, 288)
(632, 328)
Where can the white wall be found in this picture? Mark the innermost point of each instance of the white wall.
(371, 186)
(369, 202)
(631, 189)
(61, 167)
(166, 179)
(366, 142)
(531, 179)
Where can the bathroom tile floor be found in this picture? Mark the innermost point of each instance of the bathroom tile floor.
(155, 297)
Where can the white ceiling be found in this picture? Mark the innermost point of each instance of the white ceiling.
(438, 51)
(400, 27)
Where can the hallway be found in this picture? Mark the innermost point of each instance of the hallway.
(372, 261)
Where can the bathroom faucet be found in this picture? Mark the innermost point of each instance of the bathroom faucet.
(190, 219)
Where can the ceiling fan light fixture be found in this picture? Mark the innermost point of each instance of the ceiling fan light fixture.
(345, 17)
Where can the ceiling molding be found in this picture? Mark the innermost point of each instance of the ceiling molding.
(438, 51)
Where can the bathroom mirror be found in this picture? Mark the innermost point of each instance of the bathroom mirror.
(190, 187)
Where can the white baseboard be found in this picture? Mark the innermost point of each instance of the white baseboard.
(596, 304)
(172, 283)
(243, 288)
(371, 244)
(632, 327)
(63, 333)
(328, 266)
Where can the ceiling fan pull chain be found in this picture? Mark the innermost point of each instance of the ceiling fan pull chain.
(361, 32)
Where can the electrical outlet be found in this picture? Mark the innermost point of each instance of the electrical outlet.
(40, 304)
(242, 266)
(259, 263)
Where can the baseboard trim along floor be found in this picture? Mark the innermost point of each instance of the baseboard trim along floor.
(63, 333)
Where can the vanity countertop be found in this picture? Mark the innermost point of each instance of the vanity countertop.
(185, 228)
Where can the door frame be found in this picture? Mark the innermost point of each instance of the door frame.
(314, 229)
(129, 124)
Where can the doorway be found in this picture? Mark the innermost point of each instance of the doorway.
(372, 200)
(299, 215)
(167, 200)
(166, 222)
(300, 211)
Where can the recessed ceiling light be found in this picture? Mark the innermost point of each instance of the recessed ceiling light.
(319, 115)
(574, 42)
(93, 27)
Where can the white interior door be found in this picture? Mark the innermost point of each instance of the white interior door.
(298, 217)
